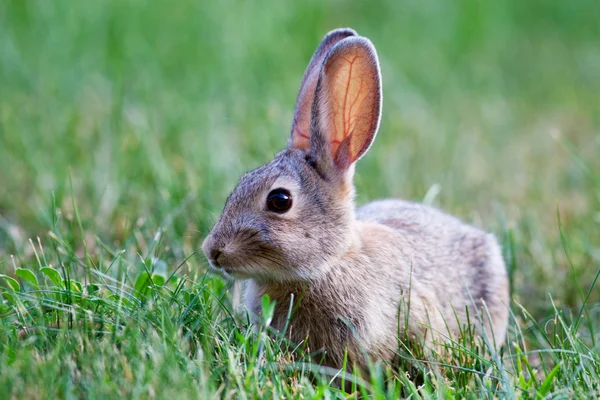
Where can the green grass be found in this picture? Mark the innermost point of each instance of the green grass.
(125, 124)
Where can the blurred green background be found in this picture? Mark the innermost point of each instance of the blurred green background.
(145, 113)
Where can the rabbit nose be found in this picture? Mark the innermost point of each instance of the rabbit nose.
(215, 253)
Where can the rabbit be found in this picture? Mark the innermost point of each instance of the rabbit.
(359, 278)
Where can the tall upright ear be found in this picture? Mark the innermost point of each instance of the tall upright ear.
(347, 106)
(300, 138)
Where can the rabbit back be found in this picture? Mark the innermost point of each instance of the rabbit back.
(451, 265)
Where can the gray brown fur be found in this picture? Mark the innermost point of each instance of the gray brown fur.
(353, 273)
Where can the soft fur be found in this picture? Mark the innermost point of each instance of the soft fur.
(360, 279)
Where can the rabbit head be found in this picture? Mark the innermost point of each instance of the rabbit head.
(285, 219)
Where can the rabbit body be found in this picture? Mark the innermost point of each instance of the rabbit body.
(355, 280)
(405, 254)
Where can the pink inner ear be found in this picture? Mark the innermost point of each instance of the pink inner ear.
(351, 93)
(347, 103)
(300, 137)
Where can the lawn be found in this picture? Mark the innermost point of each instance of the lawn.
(125, 124)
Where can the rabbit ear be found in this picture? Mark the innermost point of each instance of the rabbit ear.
(347, 106)
(300, 138)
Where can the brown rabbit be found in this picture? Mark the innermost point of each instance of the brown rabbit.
(359, 278)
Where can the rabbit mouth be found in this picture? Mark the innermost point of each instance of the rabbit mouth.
(221, 269)
(226, 270)
(233, 273)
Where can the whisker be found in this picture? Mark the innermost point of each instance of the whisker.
(272, 260)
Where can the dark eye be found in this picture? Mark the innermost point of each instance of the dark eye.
(279, 200)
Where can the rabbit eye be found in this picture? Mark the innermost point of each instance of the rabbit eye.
(279, 201)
